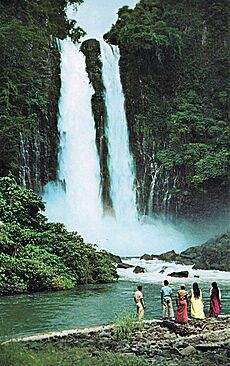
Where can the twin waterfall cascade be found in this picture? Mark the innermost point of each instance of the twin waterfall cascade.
(75, 198)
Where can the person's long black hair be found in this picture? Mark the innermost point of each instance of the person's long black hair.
(196, 290)
(215, 290)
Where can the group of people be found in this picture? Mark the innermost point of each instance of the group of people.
(182, 300)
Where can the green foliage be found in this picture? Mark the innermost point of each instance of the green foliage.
(126, 325)
(36, 255)
(196, 142)
(144, 30)
(175, 64)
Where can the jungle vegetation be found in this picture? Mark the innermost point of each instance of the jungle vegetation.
(36, 255)
(175, 61)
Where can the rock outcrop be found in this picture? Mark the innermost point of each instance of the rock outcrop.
(213, 254)
(179, 274)
(139, 269)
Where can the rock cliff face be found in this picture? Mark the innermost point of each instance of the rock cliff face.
(173, 67)
(91, 50)
(38, 154)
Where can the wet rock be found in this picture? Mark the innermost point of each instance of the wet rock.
(163, 269)
(214, 254)
(168, 256)
(148, 257)
(124, 265)
(139, 269)
(179, 274)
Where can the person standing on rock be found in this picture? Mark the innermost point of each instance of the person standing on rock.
(139, 300)
(215, 300)
(197, 305)
(166, 301)
(182, 305)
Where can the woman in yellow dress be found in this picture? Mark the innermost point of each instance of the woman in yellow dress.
(197, 306)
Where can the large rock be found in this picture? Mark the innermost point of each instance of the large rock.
(148, 257)
(115, 258)
(179, 274)
(168, 256)
(139, 269)
(124, 265)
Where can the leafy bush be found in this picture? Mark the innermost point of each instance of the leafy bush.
(36, 255)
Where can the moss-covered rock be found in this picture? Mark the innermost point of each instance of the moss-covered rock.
(92, 52)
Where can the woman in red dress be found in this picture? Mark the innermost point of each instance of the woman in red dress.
(215, 300)
(182, 305)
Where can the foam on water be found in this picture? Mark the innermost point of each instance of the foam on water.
(153, 275)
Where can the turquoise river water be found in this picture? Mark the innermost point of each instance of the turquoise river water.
(83, 306)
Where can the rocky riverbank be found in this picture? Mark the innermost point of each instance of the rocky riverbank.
(160, 343)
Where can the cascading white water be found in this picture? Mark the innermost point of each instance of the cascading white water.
(120, 161)
(78, 205)
(74, 199)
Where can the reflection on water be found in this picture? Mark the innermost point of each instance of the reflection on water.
(82, 307)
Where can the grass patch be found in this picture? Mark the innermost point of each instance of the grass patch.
(17, 355)
(126, 324)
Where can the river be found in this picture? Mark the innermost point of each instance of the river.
(84, 306)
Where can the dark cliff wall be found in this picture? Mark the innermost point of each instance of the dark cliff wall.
(92, 52)
(174, 70)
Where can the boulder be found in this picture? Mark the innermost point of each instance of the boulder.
(124, 265)
(179, 274)
(115, 258)
(168, 256)
(148, 257)
(139, 269)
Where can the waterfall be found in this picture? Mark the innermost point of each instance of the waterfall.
(76, 194)
(30, 162)
(120, 161)
(74, 198)
(24, 174)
